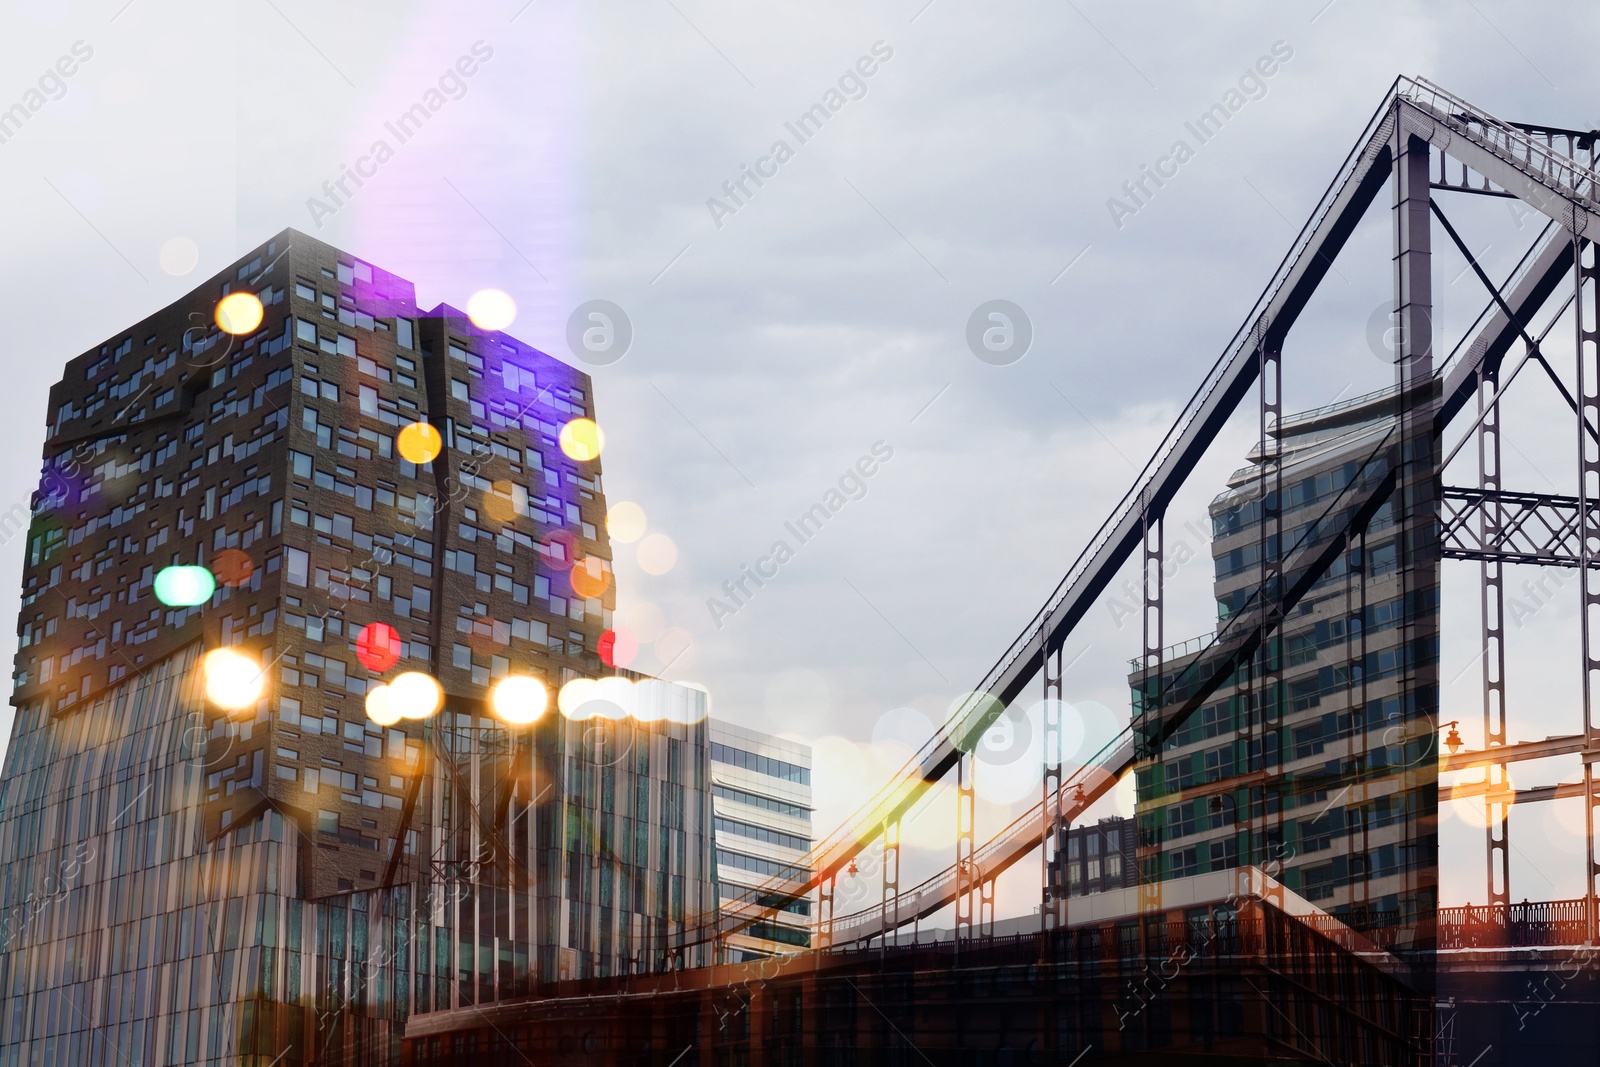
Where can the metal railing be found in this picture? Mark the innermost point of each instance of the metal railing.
(1526, 925)
(1177, 651)
(1562, 173)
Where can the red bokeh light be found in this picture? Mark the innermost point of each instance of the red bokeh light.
(232, 567)
(378, 647)
(618, 647)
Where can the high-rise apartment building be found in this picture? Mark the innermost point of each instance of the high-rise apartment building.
(1315, 760)
(761, 793)
(288, 882)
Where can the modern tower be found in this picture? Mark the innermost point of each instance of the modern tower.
(183, 884)
(1297, 763)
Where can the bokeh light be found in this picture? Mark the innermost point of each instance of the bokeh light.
(582, 440)
(519, 699)
(178, 256)
(491, 309)
(562, 550)
(573, 700)
(625, 522)
(645, 620)
(504, 501)
(588, 698)
(232, 680)
(184, 587)
(239, 313)
(612, 698)
(414, 695)
(970, 717)
(1474, 810)
(380, 709)
(419, 443)
(233, 567)
(589, 577)
(618, 647)
(378, 647)
(657, 554)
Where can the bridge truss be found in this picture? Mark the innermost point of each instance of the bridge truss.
(1428, 145)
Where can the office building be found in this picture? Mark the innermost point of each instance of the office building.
(761, 793)
(1317, 759)
(183, 884)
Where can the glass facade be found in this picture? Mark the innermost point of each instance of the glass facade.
(1315, 761)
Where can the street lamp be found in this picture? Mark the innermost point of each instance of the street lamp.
(1452, 740)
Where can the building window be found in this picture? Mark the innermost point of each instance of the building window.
(296, 566)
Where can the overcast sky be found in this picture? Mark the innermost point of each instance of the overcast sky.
(780, 336)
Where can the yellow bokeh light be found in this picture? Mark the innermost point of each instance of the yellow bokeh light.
(573, 700)
(582, 440)
(657, 554)
(590, 576)
(612, 698)
(519, 699)
(1473, 808)
(504, 501)
(239, 313)
(233, 681)
(491, 309)
(419, 443)
(379, 708)
(625, 522)
(414, 695)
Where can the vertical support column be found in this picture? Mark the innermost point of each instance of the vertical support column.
(1153, 685)
(1268, 831)
(1417, 532)
(825, 911)
(1491, 532)
(1360, 792)
(966, 880)
(891, 883)
(1586, 314)
(1053, 904)
(985, 906)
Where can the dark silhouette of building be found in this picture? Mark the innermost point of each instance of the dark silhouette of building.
(1098, 857)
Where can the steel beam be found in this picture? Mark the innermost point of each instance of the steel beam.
(1564, 745)
(1586, 325)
